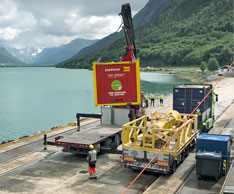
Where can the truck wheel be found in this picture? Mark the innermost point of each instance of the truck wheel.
(187, 151)
(173, 167)
(192, 145)
(117, 140)
(108, 142)
(182, 156)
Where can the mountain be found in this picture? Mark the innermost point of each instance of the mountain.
(25, 54)
(6, 59)
(61, 53)
(186, 32)
(151, 10)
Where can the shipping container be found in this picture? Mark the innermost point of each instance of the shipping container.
(187, 97)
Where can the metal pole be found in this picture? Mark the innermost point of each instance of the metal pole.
(78, 122)
(45, 141)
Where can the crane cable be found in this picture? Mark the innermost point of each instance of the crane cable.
(177, 130)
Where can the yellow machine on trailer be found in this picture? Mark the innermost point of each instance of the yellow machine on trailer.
(144, 137)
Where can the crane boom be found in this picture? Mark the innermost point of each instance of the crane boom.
(130, 54)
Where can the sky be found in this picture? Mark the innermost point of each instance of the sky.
(50, 23)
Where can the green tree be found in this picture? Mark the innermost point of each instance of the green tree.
(212, 64)
(193, 59)
(203, 66)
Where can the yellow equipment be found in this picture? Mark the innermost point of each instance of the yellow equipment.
(144, 137)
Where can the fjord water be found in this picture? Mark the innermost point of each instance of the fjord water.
(36, 99)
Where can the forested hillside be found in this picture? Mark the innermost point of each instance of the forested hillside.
(185, 33)
(151, 10)
(7, 59)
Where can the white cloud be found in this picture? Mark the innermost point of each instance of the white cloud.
(9, 33)
(8, 10)
(93, 27)
(25, 20)
(45, 22)
(39, 50)
(14, 22)
(47, 40)
(48, 23)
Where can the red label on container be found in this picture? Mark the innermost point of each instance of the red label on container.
(116, 83)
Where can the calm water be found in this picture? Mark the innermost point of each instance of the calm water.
(35, 99)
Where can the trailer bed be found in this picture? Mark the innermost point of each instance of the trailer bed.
(93, 135)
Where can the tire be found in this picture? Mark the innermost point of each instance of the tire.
(108, 142)
(173, 167)
(192, 145)
(182, 156)
(117, 140)
(187, 151)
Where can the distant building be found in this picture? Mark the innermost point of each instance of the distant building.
(224, 68)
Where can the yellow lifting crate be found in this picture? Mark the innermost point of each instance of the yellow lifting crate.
(144, 137)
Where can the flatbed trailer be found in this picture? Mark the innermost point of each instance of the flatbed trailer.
(143, 138)
(105, 138)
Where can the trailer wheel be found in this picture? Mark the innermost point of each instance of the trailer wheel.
(108, 142)
(182, 156)
(117, 140)
(187, 151)
(192, 145)
(173, 167)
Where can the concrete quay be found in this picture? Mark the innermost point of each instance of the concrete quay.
(25, 167)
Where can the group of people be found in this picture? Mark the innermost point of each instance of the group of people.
(145, 99)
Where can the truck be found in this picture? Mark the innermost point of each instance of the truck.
(145, 137)
(119, 99)
(187, 97)
(141, 141)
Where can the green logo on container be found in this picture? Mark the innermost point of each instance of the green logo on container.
(116, 85)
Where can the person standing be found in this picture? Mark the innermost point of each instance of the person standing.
(161, 99)
(91, 159)
(152, 97)
(142, 98)
(146, 100)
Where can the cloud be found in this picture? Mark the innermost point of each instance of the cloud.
(25, 20)
(9, 33)
(93, 27)
(8, 10)
(45, 22)
(48, 23)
